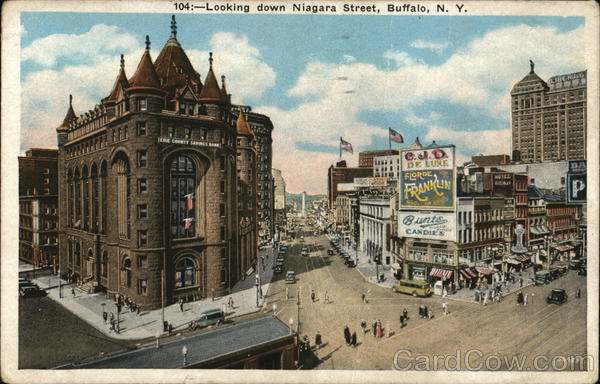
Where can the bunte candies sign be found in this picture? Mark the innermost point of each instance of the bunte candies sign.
(427, 179)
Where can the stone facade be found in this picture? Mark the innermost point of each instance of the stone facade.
(149, 188)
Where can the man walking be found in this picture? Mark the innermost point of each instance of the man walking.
(312, 295)
(318, 340)
(405, 314)
(230, 302)
(287, 293)
(525, 299)
(181, 304)
(347, 335)
(578, 293)
(104, 316)
(520, 298)
(445, 307)
(520, 282)
(363, 297)
(326, 301)
(353, 339)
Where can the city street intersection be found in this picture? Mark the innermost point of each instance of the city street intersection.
(498, 329)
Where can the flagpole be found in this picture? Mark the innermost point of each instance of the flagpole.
(390, 138)
(340, 147)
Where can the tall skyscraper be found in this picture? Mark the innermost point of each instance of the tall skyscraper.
(549, 120)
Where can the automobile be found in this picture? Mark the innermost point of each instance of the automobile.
(413, 287)
(350, 263)
(31, 291)
(24, 283)
(278, 268)
(542, 277)
(290, 277)
(557, 296)
(563, 269)
(280, 260)
(575, 264)
(330, 252)
(555, 273)
(582, 272)
(213, 316)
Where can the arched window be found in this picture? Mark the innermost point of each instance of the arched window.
(123, 196)
(70, 252)
(77, 254)
(185, 273)
(126, 273)
(104, 189)
(104, 264)
(183, 197)
(86, 198)
(70, 212)
(77, 200)
(95, 199)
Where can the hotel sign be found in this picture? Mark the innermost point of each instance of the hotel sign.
(427, 179)
(427, 225)
(195, 143)
(577, 182)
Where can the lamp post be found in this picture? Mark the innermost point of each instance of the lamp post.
(547, 251)
(291, 324)
(184, 352)
(274, 309)
(59, 285)
(257, 283)
(157, 339)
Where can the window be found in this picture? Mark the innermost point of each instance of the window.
(143, 104)
(188, 132)
(142, 211)
(223, 162)
(141, 128)
(142, 159)
(142, 288)
(191, 109)
(126, 273)
(142, 185)
(222, 186)
(185, 273)
(142, 238)
(104, 264)
(183, 185)
(222, 233)
(142, 261)
(223, 276)
(46, 171)
(222, 210)
(171, 131)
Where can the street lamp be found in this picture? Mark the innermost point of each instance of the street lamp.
(59, 285)
(291, 324)
(157, 339)
(274, 309)
(184, 352)
(257, 283)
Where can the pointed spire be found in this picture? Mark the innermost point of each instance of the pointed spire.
(70, 116)
(145, 75)
(531, 65)
(122, 62)
(121, 83)
(224, 94)
(210, 91)
(173, 27)
(243, 128)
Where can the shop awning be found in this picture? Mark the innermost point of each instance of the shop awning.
(563, 248)
(539, 230)
(395, 266)
(465, 274)
(484, 270)
(471, 272)
(441, 273)
(513, 261)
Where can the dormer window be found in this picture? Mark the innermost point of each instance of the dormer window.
(182, 108)
(191, 109)
(143, 104)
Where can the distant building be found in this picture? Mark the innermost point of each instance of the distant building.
(343, 175)
(365, 158)
(387, 166)
(38, 207)
(549, 119)
(490, 160)
(279, 208)
(303, 203)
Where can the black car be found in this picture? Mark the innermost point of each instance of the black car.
(350, 263)
(31, 291)
(555, 273)
(330, 252)
(562, 269)
(279, 269)
(557, 296)
(575, 264)
(582, 272)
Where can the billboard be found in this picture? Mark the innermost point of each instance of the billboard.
(503, 183)
(577, 182)
(427, 179)
(427, 225)
(370, 181)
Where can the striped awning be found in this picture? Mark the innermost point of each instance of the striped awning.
(564, 248)
(465, 273)
(539, 230)
(484, 270)
(441, 273)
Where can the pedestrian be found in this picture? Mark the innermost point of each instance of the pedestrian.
(421, 307)
(287, 293)
(312, 295)
(401, 321)
(520, 282)
(132, 307)
(112, 317)
(578, 293)
(445, 307)
(318, 340)
(374, 326)
(112, 324)
(520, 298)
(347, 335)
(363, 297)
(405, 313)
(485, 296)
(426, 312)
(230, 302)
(326, 298)
(378, 328)
(170, 328)
(104, 316)
(73, 291)
(363, 325)
(525, 299)
(181, 304)
(353, 339)
(137, 308)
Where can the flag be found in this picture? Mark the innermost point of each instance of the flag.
(77, 223)
(188, 222)
(396, 137)
(189, 201)
(346, 146)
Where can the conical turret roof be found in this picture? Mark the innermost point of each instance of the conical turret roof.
(70, 116)
(145, 76)
(120, 84)
(243, 128)
(210, 91)
(173, 66)
(416, 144)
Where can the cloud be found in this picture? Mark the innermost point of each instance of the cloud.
(436, 47)
(248, 76)
(99, 40)
(401, 58)
(349, 58)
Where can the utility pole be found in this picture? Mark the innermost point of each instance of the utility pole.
(162, 295)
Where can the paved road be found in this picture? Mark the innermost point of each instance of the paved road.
(503, 330)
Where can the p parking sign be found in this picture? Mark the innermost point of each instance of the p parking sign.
(576, 188)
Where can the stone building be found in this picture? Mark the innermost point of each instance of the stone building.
(549, 121)
(365, 158)
(38, 206)
(341, 174)
(279, 209)
(148, 196)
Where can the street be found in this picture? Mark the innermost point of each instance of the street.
(499, 329)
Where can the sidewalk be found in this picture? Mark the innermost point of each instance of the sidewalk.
(89, 307)
(469, 294)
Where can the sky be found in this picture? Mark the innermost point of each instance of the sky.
(318, 77)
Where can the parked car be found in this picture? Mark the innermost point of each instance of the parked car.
(208, 317)
(582, 272)
(278, 268)
(575, 264)
(31, 291)
(290, 277)
(24, 283)
(413, 287)
(563, 269)
(555, 273)
(350, 263)
(330, 252)
(557, 296)
(542, 277)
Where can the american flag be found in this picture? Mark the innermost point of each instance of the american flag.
(188, 222)
(346, 146)
(396, 137)
(189, 201)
